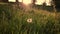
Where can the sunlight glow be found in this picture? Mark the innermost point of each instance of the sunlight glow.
(38, 2)
(48, 2)
(12, 0)
(20, 0)
(27, 1)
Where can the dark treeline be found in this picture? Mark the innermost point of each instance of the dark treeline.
(57, 3)
(3, 0)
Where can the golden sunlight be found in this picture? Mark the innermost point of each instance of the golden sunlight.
(12, 0)
(38, 2)
(20, 0)
(48, 2)
(26, 1)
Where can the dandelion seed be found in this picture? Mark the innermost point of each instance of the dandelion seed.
(29, 20)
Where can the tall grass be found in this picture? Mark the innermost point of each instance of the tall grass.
(14, 21)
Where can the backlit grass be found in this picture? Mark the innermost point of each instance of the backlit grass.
(14, 21)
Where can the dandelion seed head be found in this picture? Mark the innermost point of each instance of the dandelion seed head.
(29, 20)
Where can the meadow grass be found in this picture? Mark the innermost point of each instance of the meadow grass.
(14, 21)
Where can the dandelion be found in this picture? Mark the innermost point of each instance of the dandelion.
(29, 20)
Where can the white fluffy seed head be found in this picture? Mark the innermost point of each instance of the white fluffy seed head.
(29, 20)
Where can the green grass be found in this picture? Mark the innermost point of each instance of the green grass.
(14, 21)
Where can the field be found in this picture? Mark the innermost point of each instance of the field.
(14, 20)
